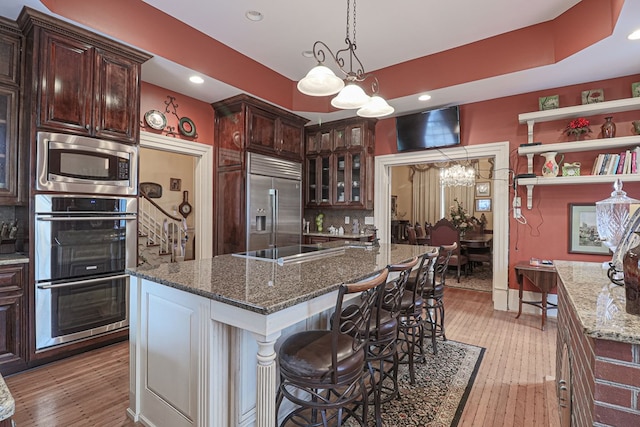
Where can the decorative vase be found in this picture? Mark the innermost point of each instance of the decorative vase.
(550, 166)
(632, 279)
(636, 126)
(608, 128)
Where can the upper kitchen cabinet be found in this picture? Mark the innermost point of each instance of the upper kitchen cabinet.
(267, 129)
(11, 184)
(86, 84)
(339, 166)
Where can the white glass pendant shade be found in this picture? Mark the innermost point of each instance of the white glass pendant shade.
(320, 81)
(350, 97)
(376, 107)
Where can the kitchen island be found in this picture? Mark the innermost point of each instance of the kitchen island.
(7, 404)
(598, 349)
(203, 334)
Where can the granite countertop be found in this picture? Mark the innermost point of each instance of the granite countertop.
(266, 287)
(7, 404)
(339, 236)
(599, 304)
(15, 258)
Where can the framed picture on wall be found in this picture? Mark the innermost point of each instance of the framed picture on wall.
(483, 189)
(483, 205)
(583, 232)
(175, 184)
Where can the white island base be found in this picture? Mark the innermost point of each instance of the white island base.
(199, 362)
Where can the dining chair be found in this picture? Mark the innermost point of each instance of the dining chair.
(445, 233)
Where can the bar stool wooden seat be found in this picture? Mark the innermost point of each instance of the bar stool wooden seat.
(323, 371)
(410, 313)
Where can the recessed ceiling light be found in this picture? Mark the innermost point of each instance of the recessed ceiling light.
(634, 36)
(196, 79)
(253, 15)
(307, 53)
(424, 97)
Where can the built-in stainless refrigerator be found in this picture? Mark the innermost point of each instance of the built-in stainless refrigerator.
(274, 202)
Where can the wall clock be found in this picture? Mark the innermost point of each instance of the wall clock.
(185, 207)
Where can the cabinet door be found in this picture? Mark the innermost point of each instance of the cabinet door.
(339, 140)
(9, 185)
(9, 59)
(291, 140)
(325, 180)
(12, 319)
(66, 91)
(230, 138)
(116, 111)
(312, 179)
(355, 134)
(262, 130)
(356, 178)
(341, 185)
(231, 217)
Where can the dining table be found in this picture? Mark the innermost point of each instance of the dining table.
(477, 240)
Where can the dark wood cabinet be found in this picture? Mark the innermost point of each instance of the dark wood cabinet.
(339, 164)
(13, 332)
(87, 91)
(271, 130)
(243, 124)
(85, 84)
(12, 166)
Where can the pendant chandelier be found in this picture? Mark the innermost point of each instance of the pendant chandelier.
(322, 81)
(458, 176)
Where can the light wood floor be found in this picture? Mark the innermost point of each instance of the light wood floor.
(513, 387)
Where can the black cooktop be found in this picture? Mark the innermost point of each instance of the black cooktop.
(281, 252)
(286, 254)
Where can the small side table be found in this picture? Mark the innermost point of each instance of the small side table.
(544, 278)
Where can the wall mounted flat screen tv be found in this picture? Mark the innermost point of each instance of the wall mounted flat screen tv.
(428, 129)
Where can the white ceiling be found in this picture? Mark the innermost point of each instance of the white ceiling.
(387, 33)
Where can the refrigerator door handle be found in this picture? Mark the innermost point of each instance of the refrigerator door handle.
(273, 195)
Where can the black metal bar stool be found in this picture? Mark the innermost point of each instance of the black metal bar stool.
(382, 354)
(410, 313)
(434, 296)
(323, 371)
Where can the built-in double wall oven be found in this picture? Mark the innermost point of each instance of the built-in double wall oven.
(85, 237)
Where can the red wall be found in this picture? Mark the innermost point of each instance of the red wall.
(154, 97)
(546, 233)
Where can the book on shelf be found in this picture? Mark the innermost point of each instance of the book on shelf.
(620, 169)
(625, 162)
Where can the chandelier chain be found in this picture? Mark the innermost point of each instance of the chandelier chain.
(354, 22)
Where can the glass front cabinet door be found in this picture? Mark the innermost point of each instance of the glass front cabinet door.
(8, 145)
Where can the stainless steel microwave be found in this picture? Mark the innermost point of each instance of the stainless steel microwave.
(77, 164)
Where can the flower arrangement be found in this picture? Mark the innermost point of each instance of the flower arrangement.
(577, 127)
(459, 217)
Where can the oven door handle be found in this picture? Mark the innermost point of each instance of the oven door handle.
(51, 285)
(88, 218)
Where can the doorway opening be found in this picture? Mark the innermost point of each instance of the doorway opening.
(202, 185)
(499, 152)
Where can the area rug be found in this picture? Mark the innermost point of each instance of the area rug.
(480, 279)
(442, 386)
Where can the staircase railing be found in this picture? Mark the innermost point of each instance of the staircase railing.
(167, 232)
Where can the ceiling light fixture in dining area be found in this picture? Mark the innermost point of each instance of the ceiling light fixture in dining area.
(322, 81)
(458, 176)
